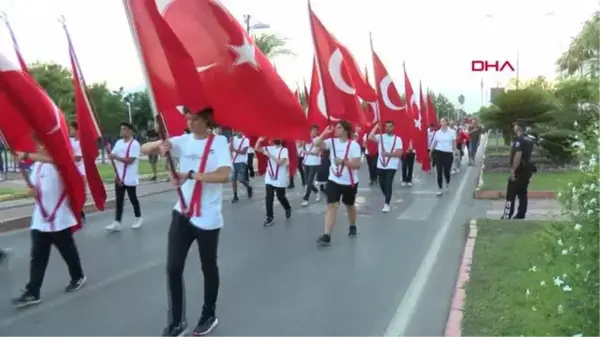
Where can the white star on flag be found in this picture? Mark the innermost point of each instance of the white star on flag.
(180, 109)
(246, 53)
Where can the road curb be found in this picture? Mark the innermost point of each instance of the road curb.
(17, 223)
(455, 316)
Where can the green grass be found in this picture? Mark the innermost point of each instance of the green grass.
(7, 191)
(542, 181)
(107, 172)
(496, 302)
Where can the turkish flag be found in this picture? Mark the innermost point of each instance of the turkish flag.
(391, 107)
(341, 101)
(46, 120)
(419, 137)
(431, 113)
(316, 114)
(88, 134)
(235, 76)
(363, 89)
(370, 109)
(15, 130)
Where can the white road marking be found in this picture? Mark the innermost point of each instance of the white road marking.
(408, 305)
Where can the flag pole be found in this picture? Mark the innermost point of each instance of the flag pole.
(162, 130)
(377, 111)
(86, 91)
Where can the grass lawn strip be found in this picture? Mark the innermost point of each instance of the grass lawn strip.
(541, 181)
(107, 172)
(498, 300)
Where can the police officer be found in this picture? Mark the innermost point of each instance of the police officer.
(521, 171)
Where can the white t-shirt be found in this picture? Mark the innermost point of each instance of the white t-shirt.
(311, 159)
(77, 153)
(190, 152)
(47, 180)
(277, 176)
(444, 140)
(346, 176)
(390, 144)
(250, 149)
(128, 174)
(430, 133)
(239, 143)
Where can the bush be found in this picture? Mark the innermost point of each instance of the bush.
(571, 252)
(556, 145)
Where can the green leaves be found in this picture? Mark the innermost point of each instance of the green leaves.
(272, 45)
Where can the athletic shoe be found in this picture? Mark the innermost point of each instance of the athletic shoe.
(175, 330)
(318, 197)
(75, 285)
(409, 184)
(113, 227)
(269, 222)
(137, 223)
(403, 184)
(235, 200)
(386, 208)
(304, 203)
(439, 193)
(205, 325)
(324, 240)
(352, 231)
(288, 213)
(26, 299)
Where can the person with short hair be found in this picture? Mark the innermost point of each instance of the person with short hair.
(126, 154)
(276, 177)
(521, 172)
(475, 132)
(345, 158)
(205, 166)
(390, 151)
(239, 146)
(311, 161)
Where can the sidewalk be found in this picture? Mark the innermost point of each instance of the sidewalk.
(537, 209)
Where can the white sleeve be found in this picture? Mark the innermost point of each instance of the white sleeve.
(327, 143)
(221, 148)
(135, 150)
(114, 148)
(284, 154)
(76, 148)
(354, 151)
(177, 144)
(399, 144)
(245, 144)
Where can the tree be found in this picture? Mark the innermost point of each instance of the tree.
(109, 108)
(583, 54)
(141, 111)
(58, 83)
(443, 106)
(272, 45)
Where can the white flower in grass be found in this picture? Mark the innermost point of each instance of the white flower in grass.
(560, 309)
(527, 293)
(565, 252)
(577, 227)
(557, 281)
(577, 265)
(567, 289)
(581, 248)
(534, 308)
(543, 283)
(590, 211)
(533, 268)
(578, 335)
(560, 242)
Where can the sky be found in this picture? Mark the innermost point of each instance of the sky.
(437, 39)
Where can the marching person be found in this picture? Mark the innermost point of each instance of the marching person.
(521, 172)
(311, 162)
(126, 154)
(444, 147)
(239, 151)
(250, 164)
(275, 178)
(343, 176)
(205, 165)
(430, 133)
(408, 163)
(51, 224)
(371, 154)
(77, 154)
(390, 151)
(475, 135)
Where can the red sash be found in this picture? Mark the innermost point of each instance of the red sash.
(48, 217)
(274, 174)
(238, 149)
(338, 172)
(125, 165)
(312, 145)
(386, 161)
(195, 202)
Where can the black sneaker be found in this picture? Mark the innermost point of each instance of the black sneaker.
(205, 325)
(250, 192)
(75, 285)
(352, 231)
(291, 186)
(26, 299)
(269, 222)
(288, 213)
(235, 200)
(175, 330)
(4, 254)
(324, 240)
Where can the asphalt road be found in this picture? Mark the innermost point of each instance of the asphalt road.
(396, 277)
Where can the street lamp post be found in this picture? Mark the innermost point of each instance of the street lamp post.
(256, 26)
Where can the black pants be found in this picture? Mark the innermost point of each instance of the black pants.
(408, 162)
(181, 236)
(301, 171)
(386, 183)
(516, 188)
(41, 245)
(311, 174)
(120, 196)
(250, 168)
(372, 165)
(271, 191)
(443, 166)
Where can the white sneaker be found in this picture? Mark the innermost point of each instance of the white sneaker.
(447, 188)
(304, 203)
(403, 184)
(137, 223)
(453, 171)
(318, 196)
(439, 193)
(409, 184)
(113, 227)
(386, 208)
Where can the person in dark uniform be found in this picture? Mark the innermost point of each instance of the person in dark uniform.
(521, 171)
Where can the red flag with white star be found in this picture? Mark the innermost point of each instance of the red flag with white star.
(419, 136)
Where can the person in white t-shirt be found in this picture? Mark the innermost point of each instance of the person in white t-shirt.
(430, 132)
(276, 177)
(126, 154)
(250, 163)
(76, 145)
(239, 152)
(343, 176)
(311, 161)
(51, 224)
(390, 151)
(444, 147)
(205, 165)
